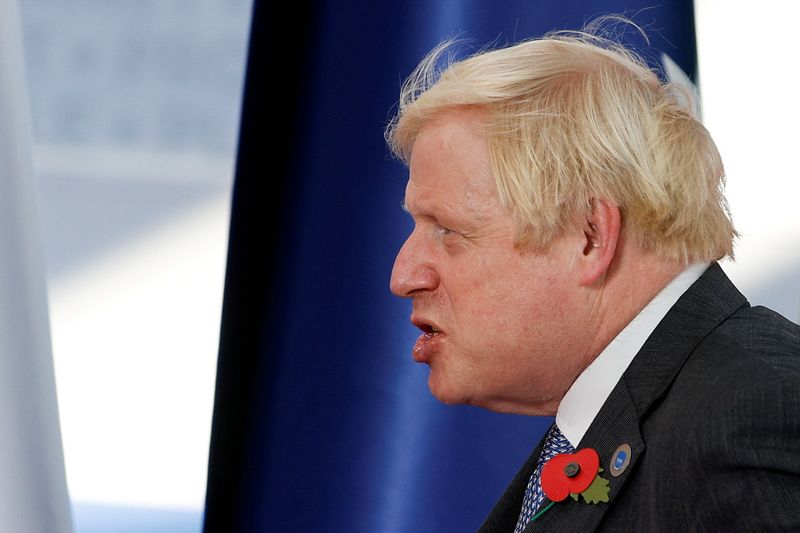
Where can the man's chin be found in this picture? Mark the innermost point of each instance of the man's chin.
(447, 392)
(451, 392)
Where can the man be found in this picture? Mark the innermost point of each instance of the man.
(568, 215)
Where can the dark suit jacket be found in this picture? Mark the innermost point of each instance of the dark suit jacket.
(710, 407)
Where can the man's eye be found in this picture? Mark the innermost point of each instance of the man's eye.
(443, 231)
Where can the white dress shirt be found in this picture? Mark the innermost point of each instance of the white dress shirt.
(588, 393)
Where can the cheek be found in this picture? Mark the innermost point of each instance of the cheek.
(504, 294)
(526, 307)
(480, 295)
(499, 311)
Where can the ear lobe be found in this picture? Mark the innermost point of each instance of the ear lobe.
(601, 233)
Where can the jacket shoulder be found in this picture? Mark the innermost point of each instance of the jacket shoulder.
(737, 399)
(752, 345)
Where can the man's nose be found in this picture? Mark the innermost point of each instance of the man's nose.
(413, 269)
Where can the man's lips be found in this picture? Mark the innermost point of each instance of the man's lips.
(427, 343)
(425, 346)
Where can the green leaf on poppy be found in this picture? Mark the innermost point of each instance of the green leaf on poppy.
(573, 496)
(596, 492)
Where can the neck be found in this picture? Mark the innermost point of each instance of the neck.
(633, 279)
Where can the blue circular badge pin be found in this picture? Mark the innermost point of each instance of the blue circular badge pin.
(620, 460)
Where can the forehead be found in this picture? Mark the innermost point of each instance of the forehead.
(450, 163)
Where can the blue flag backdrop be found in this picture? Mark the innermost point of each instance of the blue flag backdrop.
(322, 422)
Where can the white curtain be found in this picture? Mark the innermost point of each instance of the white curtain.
(33, 488)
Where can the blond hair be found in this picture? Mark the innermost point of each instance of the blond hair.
(572, 117)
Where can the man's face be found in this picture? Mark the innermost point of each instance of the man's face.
(496, 320)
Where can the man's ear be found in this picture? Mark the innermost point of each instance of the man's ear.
(600, 235)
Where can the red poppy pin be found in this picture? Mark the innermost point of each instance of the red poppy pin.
(573, 474)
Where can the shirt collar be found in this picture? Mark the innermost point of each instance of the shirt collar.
(588, 393)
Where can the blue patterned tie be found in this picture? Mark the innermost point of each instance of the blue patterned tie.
(554, 443)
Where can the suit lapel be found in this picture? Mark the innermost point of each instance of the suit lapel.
(709, 301)
(620, 425)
